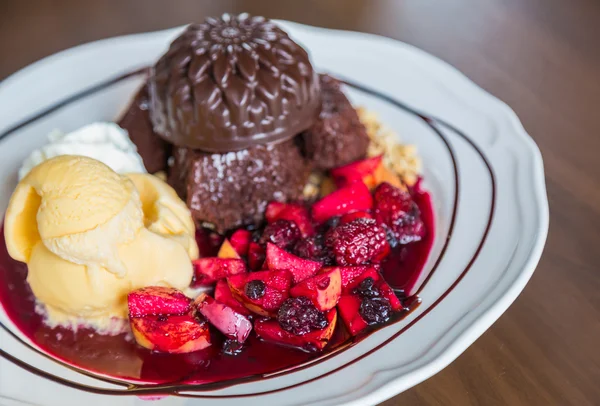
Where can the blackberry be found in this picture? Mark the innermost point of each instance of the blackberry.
(375, 310)
(255, 289)
(299, 316)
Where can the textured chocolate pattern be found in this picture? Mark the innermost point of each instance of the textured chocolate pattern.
(232, 189)
(230, 83)
(338, 137)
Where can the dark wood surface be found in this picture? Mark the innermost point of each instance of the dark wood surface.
(540, 56)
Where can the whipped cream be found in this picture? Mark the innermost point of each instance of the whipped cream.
(103, 141)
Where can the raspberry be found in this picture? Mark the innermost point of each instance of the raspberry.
(300, 316)
(283, 233)
(396, 209)
(358, 242)
(314, 248)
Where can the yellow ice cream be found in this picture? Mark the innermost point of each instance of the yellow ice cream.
(89, 236)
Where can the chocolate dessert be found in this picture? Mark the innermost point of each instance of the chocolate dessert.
(238, 105)
(231, 83)
(232, 189)
(136, 120)
(337, 137)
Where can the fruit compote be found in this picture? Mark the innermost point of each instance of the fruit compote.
(312, 281)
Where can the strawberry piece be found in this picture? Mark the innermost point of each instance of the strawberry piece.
(155, 300)
(356, 171)
(223, 294)
(173, 334)
(270, 330)
(240, 240)
(229, 322)
(350, 198)
(210, 270)
(291, 212)
(323, 289)
(300, 268)
(256, 256)
(274, 287)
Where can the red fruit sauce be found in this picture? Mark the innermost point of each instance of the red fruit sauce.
(120, 357)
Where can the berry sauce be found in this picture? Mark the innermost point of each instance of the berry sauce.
(120, 357)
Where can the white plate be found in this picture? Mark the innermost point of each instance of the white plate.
(493, 202)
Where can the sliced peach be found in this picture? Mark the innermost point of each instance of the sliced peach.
(275, 284)
(210, 270)
(240, 240)
(223, 295)
(224, 318)
(270, 330)
(227, 251)
(323, 289)
(172, 334)
(157, 300)
(301, 269)
(354, 197)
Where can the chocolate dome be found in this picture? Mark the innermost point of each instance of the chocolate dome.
(230, 83)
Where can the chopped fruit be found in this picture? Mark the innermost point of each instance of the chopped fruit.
(210, 270)
(327, 187)
(227, 250)
(256, 256)
(156, 300)
(292, 212)
(396, 209)
(358, 242)
(271, 330)
(314, 248)
(323, 289)
(357, 171)
(208, 242)
(283, 233)
(172, 334)
(300, 268)
(367, 288)
(350, 198)
(379, 285)
(349, 308)
(300, 316)
(350, 273)
(383, 174)
(223, 295)
(240, 240)
(224, 318)
(277, 284)
(346, 218)
(255, 289)
(232, 347)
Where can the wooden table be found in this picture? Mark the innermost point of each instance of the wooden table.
(540, 56)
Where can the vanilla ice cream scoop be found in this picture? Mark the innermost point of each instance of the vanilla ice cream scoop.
(89, 236)
(103, 141)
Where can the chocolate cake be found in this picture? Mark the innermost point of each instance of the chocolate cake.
(136, 120)
(236, 105)
(337, 137)
(232, 189)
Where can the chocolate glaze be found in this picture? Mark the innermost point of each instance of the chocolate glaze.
(231, 83)
(337, 137)
(177, 390)
(232, 189)
(136, 120)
